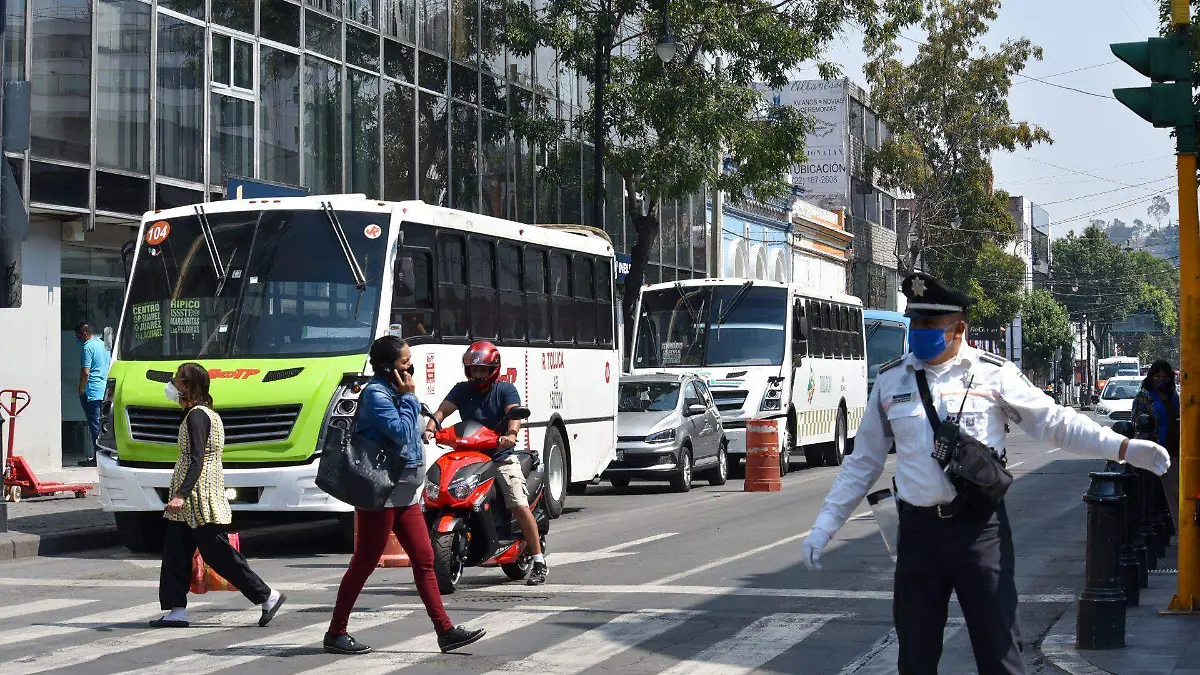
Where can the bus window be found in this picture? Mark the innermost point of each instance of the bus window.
(537, 295)
(512, 300)
(604, 307)
(844, 332)
(485, 309)
(584, 290)
(856, 331)
(830, 329)
(560, 299)
(414, 311)
(452, 285)
(799, 334)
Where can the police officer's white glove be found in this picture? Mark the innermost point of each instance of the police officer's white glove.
(814, 543)
(1147, 455)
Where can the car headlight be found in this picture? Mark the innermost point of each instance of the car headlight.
(461, 487)
(663, 436)
(771, 399)
(1101, 410)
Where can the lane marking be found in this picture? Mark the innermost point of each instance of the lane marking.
(91, 622)
(738, 591)
(753, 646)
(211, 661)
(48, 605)
(577, 654)
(415, 650)
(882, 657)
(614, 551)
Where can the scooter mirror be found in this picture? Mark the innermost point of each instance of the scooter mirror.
(429, 413)
(519, 412)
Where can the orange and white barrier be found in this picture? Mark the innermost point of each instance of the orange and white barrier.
(393, 552)
(762, 456)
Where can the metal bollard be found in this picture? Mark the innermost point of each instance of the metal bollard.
(1136, 508)
(1131, 575)
(1100, 622)
(1149, 532)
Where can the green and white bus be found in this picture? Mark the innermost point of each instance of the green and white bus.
(280, 299)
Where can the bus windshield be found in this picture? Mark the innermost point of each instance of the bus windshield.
(885, 341)
(258, 283)
(1108, 370)
(688, 326)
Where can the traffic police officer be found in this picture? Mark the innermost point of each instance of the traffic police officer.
(943, 545)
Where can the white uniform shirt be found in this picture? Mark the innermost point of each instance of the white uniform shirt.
(1000, 393)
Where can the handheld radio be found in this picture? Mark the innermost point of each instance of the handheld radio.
(945, 439)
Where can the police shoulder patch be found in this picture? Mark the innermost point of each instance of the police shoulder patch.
(891, 364)
(988, 357)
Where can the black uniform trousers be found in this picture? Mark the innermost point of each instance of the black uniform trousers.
(175, 576)
(973, 557)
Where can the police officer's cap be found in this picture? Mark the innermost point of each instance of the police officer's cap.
(928, 297)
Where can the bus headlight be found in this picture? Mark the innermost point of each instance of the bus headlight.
(771, 399)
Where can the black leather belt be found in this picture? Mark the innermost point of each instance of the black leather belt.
(954, 508)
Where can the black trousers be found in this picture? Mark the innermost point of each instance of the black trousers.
(176, 573)
(973, 557)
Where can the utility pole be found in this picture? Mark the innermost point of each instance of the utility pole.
(1167, 103)
(604, 39)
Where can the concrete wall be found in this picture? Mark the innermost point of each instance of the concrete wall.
(32, 348)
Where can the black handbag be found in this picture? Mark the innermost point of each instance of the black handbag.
(357, 471)
(978, 473)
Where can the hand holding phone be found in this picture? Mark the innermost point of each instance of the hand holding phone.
(404, 381)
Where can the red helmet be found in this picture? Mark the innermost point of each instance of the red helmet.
(482, 353)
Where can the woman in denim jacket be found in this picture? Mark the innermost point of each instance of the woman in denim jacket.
(1158, 399)
(389, 414)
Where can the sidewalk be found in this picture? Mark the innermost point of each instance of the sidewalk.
(1154, 644)
(58, 524)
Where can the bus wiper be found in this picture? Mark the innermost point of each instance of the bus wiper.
(733, 302)
(210, 242)
(872, 330)
(687, 303)
(360, 281)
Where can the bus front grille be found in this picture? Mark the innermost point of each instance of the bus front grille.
(242, 425)
(729, 399)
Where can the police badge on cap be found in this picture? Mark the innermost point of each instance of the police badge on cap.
(928, 297)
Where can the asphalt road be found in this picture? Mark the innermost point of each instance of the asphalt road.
(646, 581)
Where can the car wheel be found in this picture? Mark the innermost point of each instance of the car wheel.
(682, 480)
(720, 474)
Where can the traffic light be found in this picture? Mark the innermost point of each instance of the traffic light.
(1167, 102)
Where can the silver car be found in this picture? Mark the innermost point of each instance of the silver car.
(668, 427)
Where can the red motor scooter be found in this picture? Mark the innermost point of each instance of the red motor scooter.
(469, 523)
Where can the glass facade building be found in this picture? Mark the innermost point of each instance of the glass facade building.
(151, 104)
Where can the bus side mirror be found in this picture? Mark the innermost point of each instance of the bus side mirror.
(405, 276)
(127, 259)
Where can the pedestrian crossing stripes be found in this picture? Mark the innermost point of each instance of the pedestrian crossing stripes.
(544, 639)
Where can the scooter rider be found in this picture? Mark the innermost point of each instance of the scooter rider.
(485, 399)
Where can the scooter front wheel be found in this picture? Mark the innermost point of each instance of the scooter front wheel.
(448, 562)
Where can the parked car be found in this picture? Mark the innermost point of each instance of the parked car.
(1116, 400)
(668, 428)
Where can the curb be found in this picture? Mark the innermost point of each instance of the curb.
(15, 545)
(1058, 648)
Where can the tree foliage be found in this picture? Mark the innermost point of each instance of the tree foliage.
(996, 279)
(669, 124)
(947, 111)
(1045, 328)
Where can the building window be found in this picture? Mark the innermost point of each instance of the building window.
(400, 19)
(279, 116)
(889, 212)
(464, 129)
(857, 113)
(322, 126)
(180, 99)
(232, 62)
(495, 165)
(362, 48)
(60, 73)
(872, 133)
(232, 128)
(14, 42)
(235, 14)
(123, 85)
(192, 8)
(433, 28)
(322, 35)
(397, 141)
(280, 21)
(434, 155)
(362, 134)
(363, 11)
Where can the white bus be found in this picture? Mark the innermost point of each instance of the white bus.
(769, 351)
(281, 298)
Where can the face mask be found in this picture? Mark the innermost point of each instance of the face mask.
(927, 343)
(171, 392)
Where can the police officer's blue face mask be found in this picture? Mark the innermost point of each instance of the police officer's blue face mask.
(927, 343)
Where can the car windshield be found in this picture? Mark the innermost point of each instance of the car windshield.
(648, 397)
(1115, 391)
(1108, 370)
(287, 289)
(885, 341)
(689, 326)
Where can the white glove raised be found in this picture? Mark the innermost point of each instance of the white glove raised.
(1147, 455)
(813, 544)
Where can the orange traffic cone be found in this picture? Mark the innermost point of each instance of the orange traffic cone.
(393, 552)
(762, 456)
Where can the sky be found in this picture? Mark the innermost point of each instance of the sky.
(1105, 161)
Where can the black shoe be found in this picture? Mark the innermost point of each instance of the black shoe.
(458, 637)
(88, 462)
(268, 614)
(537, 576)
(168, 623)
(344, 644)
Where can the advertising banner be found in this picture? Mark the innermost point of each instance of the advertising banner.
(824, 179)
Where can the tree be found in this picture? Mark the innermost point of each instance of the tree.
(669, 124)
(996, 279)
(1045, 328)
(947, 112)
(1092, 276)
(1159, 208)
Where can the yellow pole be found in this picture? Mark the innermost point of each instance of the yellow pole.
(1188, 579)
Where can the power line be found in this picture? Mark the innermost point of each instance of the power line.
(1075, 171)
(1097, 194)
(1074, 70)
(1063, 86)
